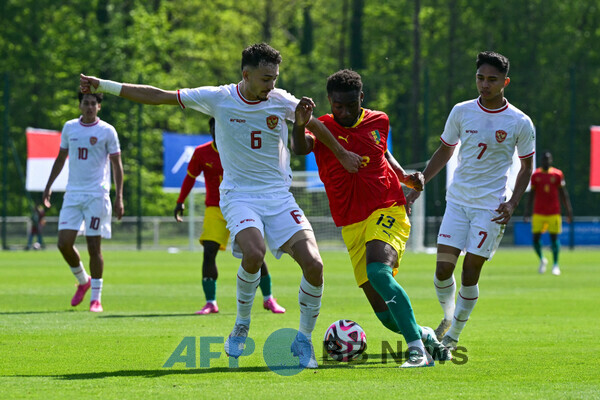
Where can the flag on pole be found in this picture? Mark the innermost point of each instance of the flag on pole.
(42, 149)
(595, 159)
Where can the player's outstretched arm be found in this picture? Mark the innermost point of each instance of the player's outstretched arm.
(438, 161)
(139, 93)
(302, 143)
(349, 160)
(506, 209)
(58, 165)
(117, 167)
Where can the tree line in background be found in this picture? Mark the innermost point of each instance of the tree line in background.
(417, 59)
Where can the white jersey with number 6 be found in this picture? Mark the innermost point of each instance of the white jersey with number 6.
(251, 136)
(488, 139)
(89, 146)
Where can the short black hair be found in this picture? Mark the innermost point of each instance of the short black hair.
(494, 59)
(344, 80)
(211, 122)
(98, 96)
(260, 53)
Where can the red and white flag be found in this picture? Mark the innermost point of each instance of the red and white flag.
(42, 149)
(595, 159)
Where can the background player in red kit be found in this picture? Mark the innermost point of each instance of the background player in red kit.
(215, 235)
(369, 205)
(547, 187)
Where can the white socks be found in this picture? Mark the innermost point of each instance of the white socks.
(96, 289)
(246, 289)
(309, 298)
(80, 274)
(467, 298)
(445, 291)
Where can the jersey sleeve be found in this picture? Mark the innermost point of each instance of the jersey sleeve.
(195, 165)
(526, 139)
(64, 137)
(451, 134)
(113, 145)
(290, 101)
(201, 99)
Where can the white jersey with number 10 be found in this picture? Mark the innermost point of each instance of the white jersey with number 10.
(251, 136)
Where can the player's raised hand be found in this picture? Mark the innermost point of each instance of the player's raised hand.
(178, 212)
(88, 84)
(505, 211)
(304, 110)
(415, 181)
(46, 198)
(350, 161)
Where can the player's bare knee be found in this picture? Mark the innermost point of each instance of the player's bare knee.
(445, 264)
(313, 271)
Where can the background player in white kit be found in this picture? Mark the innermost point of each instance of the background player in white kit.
(252, 135)
(479, 203)
(89, 143)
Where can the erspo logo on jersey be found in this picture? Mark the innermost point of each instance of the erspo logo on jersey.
(501, 135)
(272, 121)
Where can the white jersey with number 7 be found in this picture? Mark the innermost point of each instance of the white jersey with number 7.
(488, 139)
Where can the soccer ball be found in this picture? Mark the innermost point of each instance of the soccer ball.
(345, 340)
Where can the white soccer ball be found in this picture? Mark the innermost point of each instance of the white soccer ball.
(345, 340)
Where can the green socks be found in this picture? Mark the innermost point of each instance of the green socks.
(210, 288)
(265, 285)
(555, 246)
(537, 246)
(380, 276)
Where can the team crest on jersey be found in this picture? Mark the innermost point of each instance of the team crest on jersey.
(272, 121)
(500, 136)
(376, 136)
(93, 140)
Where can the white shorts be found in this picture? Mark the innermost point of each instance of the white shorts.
(277, 216)
(90, 214)
(470, 229)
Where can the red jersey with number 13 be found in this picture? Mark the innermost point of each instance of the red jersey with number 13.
(353, 197)
(546, 185)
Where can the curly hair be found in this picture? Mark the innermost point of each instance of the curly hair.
(344, 80)
(260, 53)
(494, 59)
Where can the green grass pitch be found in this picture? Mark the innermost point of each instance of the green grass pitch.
(530, 336)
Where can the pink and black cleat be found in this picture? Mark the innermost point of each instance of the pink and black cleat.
(209, 308)
(80, 293)
(272, 305)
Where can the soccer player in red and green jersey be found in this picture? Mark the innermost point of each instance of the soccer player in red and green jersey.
(369, 206)
(215, 234)
(547, 187)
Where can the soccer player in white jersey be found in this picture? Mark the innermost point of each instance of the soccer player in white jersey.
(479, 203)
(89, 143)
(251, 135)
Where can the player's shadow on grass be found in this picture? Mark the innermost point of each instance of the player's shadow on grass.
(36, 312)
(190, 314)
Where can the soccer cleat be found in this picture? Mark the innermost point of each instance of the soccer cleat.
(543, 263)
(437, 350)
(80, 293)
(449, 343)
(234, 345)
(302, 348)
(209, 308)
(556, 270)
(417, 359)
(442, 328)
(95, 306)
(272, 305)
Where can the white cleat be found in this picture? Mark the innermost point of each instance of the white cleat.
(437, 350)
(449, 343)
(302, 348)
(543, 263)
(442, 328)
(417, 359)
(556, 270)
(234, 345)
